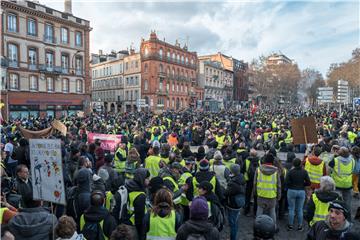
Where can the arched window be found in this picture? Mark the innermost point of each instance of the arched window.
(173, 56)
(187, 60)
(65, 85)
(145, 67)
(178, 58)
(182, 59)
(160, 53)
(161, 69)
(146, 52)
(79, 86)
(168, 55)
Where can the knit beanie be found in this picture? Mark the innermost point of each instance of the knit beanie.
(199, 209)
(204, 165)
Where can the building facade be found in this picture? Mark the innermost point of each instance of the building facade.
(107, 78)
(215, 80)
(44, 61)
(132, 81)
(169, 75)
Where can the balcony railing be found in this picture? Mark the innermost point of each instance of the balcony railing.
(4, 62)
(49, 69)
(49, 39)
(13, 63)
(162, 92)
(78, 72)
(64, 70)
(161, 74)
(33, 67)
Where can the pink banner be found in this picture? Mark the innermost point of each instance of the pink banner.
(108, 141)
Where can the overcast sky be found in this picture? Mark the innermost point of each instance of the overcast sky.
(313, 33)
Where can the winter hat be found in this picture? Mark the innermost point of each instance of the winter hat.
(340, 205)
(204, 165)
(218, 156)
(206, 186)
(199, 209)
(155, 184)
(103, 173)
(235, 169)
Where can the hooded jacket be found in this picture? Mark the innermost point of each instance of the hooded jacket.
(202, 227)
(314, 160)
(268, 169)
(97, 214)
(323, 196)
(344, 160)
(322, 231)
(33, 224)
(235, 187)
(137, 184)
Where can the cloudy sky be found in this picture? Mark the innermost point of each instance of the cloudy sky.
(313, 33)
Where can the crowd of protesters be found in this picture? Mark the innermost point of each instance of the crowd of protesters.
(188, 175)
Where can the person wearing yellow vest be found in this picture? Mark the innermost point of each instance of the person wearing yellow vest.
(317, 206)
(136, 204)
(97, 214)
(120, 158)
(133, 162)
(162, 221)
(315, 167)
(267, 186)
(7, 212)
(152, 162)
(220, 139)
(342, 168)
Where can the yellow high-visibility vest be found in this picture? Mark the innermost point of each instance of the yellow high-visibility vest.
(266, 184)
(342, 174)
(321, 210)
(315, 171)
(162, 228)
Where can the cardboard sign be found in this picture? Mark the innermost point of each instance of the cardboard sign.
(59, 126)
(108, 141)
(304, 130)
(46, 170)
(45, 133)
(80, 114)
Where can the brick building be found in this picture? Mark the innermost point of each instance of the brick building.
(44, 60)
(169, 75)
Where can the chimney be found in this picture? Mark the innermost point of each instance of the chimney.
(68, 7)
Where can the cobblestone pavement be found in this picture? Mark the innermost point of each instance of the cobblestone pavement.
(246, 227)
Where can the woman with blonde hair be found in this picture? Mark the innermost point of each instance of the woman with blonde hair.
(162, 221)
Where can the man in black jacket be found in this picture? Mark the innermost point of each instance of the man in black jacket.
(96, 213)
(23, 183)
(136, 201)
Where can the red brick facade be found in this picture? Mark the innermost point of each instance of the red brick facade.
(168, 75)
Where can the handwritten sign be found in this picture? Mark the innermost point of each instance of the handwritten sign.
(108, 141)
(46, 170)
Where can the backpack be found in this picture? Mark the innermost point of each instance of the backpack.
(93, 230)
(123, 194)
(72, 202)
(217, 216)
(196, 236)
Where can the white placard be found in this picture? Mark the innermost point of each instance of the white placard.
(46, 170)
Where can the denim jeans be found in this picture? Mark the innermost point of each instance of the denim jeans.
(296, 199)
(233, 217)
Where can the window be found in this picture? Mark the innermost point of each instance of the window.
(49, 59)
(14, 81)
(78, 39)
(32, 56)
(78, 65)
(160, 53)
(64, 63)
(65, 85)
(168, 55)
(31, 29)
(146, 52)
(186, 60)
(79, 86)
(173, 87)
(126, 95)
(173, 56)
(182, 59)
(145, 67)
(13, 54)
(33, 83)
(12, 22)
(49, 33)
(126, 66)
(64, 35)
(161, 69)
(145, 85)
(136, 94)
(50, 84)
(160, 85)
(136, 64)
(167, 86)
(177, 58)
